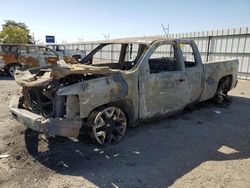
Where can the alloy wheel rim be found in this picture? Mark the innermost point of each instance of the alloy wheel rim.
(221, 94)
(12, 70)
(109, 125)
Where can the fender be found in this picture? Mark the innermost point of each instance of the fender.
(97, 92)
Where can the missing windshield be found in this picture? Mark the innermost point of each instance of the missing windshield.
(115, 56)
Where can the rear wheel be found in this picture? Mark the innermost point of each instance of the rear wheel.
(108, 125)
(221, 93)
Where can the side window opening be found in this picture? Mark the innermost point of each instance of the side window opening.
(164, 59)
(51, 52)
(106, 56)
(32, 50)
(41, 50)
(6, 49)
(131, 55)
(131, 52)
(23, 49)
(188, 55)
(47, 51)
(123, 56)
(14, 49)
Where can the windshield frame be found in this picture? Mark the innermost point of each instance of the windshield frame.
(142, 48)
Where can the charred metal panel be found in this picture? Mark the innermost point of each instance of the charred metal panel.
(214, 71)
(162, 92)
(63, 127)
(72, 106)
(120, 90)
(74, 89)
(101, 91)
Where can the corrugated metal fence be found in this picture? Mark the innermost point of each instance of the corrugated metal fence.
(213, 45)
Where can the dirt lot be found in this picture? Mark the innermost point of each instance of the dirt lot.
(208, 147)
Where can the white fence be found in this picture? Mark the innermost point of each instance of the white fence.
(213, 45)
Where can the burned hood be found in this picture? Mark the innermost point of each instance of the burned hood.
(42, 75)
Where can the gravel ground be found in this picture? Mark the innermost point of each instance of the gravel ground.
(208, 147)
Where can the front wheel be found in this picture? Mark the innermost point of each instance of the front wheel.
(108, 125)
(12, 69)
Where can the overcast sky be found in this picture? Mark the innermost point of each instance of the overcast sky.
(77, 20)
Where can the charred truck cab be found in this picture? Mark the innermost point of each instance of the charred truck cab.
(118, 84)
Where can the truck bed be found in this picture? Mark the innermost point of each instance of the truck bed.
(216, 70)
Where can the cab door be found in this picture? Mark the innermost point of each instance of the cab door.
(193, 68)
(163, 84)
(29, 56)
(47, 55)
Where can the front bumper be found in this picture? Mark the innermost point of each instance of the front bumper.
(51, 126)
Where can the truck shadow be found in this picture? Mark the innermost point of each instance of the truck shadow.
(156, 154)
(4, 76)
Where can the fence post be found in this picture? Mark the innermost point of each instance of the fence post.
(208, 48)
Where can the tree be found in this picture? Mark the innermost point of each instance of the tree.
(15, 32)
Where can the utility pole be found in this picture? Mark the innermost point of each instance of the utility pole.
(164, 29)
(106, 36)
(33, 38)
(80, 39)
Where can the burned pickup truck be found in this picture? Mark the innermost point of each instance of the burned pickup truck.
(119, 84)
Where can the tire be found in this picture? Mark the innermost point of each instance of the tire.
(12, 69)
(221, 93)
(107, 125)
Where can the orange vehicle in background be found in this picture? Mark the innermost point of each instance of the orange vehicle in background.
(14, 56)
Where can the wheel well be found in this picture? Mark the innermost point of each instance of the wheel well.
(10, 64)
(226, 79)
(126, 105)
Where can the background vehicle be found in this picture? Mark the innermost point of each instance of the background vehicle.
(14, 56)
(62, 51)
(105, 94)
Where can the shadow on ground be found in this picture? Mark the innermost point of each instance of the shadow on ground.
(4, 76)
(156, 154)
